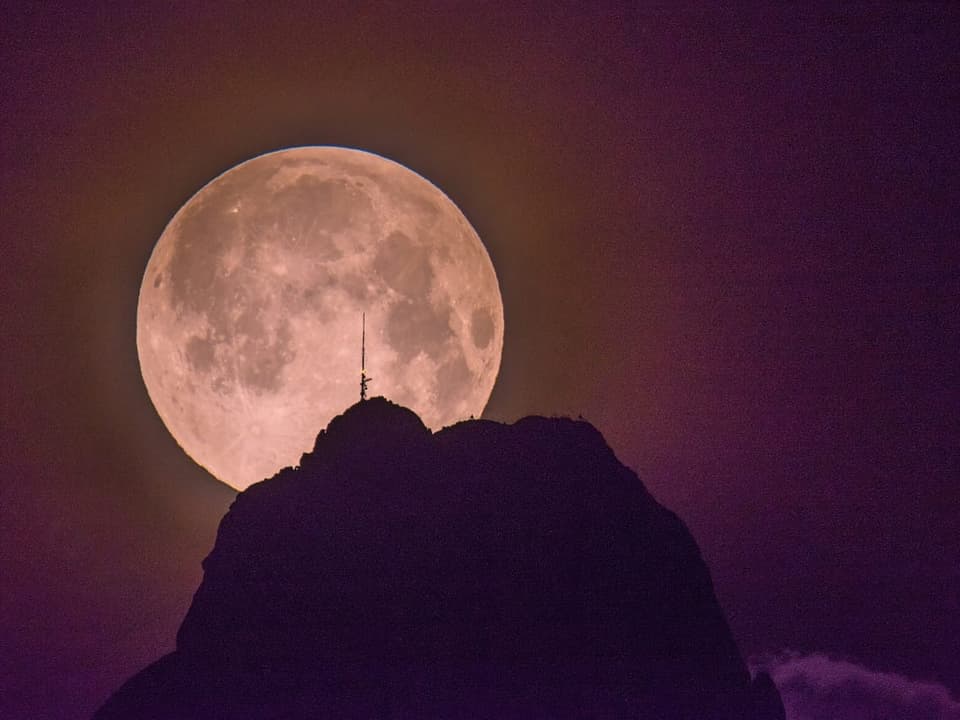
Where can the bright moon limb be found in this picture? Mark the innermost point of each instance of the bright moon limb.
(248, 323)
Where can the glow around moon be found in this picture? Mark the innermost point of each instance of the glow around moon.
(248, 324)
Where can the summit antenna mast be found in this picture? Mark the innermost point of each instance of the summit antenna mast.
(363, 359)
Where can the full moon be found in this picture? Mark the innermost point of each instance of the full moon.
(249, 317)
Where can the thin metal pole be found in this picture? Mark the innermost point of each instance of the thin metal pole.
(363, 359)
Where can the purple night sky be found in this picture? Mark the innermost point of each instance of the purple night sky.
(729, 238)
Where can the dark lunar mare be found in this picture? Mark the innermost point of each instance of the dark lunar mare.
(485, 571)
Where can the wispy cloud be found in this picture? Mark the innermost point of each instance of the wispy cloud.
(818, 687)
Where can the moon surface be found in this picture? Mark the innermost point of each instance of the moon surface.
(249, 317)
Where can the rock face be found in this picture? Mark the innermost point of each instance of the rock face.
(483, 572)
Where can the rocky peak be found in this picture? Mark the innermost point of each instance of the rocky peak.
(483, 571)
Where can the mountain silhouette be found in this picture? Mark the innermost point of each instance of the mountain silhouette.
(486, 571)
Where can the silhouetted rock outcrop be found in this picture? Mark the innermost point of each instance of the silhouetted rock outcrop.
(485, 571)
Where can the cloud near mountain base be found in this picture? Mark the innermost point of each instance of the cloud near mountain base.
(818, 687)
